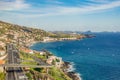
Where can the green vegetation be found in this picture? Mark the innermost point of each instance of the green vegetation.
(27, 59)
(25, 56)
(38, 69)
(57, 60)
(35, 75)
(44, 57)
(57, 74)
(22, 36)
(15, 32)
(29, 62)
(2, 31)
(2, 76)
(41, 70)
(30, 76)
(25, 35)
(54, 72)
(60, 35)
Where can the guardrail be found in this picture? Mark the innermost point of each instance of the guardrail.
(20, 65)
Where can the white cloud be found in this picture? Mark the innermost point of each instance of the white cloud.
(59, 10)
(91, 8)
(56, 9)
(100, 0)
(13, 5)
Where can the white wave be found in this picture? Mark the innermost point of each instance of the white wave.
(72, 68)
(79, 76)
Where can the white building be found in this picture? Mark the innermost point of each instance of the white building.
(57, 61)
(47, 39)
(42, 52)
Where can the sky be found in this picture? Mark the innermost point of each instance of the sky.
(63, 15)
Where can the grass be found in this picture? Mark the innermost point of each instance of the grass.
(54, 72)
(26, 56)
(29, 63)
(2, 76)
(30, 76)
(57, 74)
(40, 56)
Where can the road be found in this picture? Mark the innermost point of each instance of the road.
(40, 61)
(14, 73)
(14, 69)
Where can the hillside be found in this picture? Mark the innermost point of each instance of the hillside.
(22, 35)
(15, 33)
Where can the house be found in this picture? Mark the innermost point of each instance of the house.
(72, 38)
(42, 52)
(47, 39)
(57, 61)
(51, 59)
(26, 50)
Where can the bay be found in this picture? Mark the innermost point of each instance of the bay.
(95, 58)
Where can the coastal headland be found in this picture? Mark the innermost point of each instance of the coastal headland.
(23, 37)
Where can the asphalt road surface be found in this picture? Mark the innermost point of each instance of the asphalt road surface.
(14, 73)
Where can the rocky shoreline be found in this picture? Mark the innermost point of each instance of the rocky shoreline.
(69, 70)
(67, 67)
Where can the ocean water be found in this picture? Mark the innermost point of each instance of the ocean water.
(95, 58)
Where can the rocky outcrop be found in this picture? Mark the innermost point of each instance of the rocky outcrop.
(73, 75)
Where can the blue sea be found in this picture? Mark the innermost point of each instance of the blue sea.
(95, 58)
